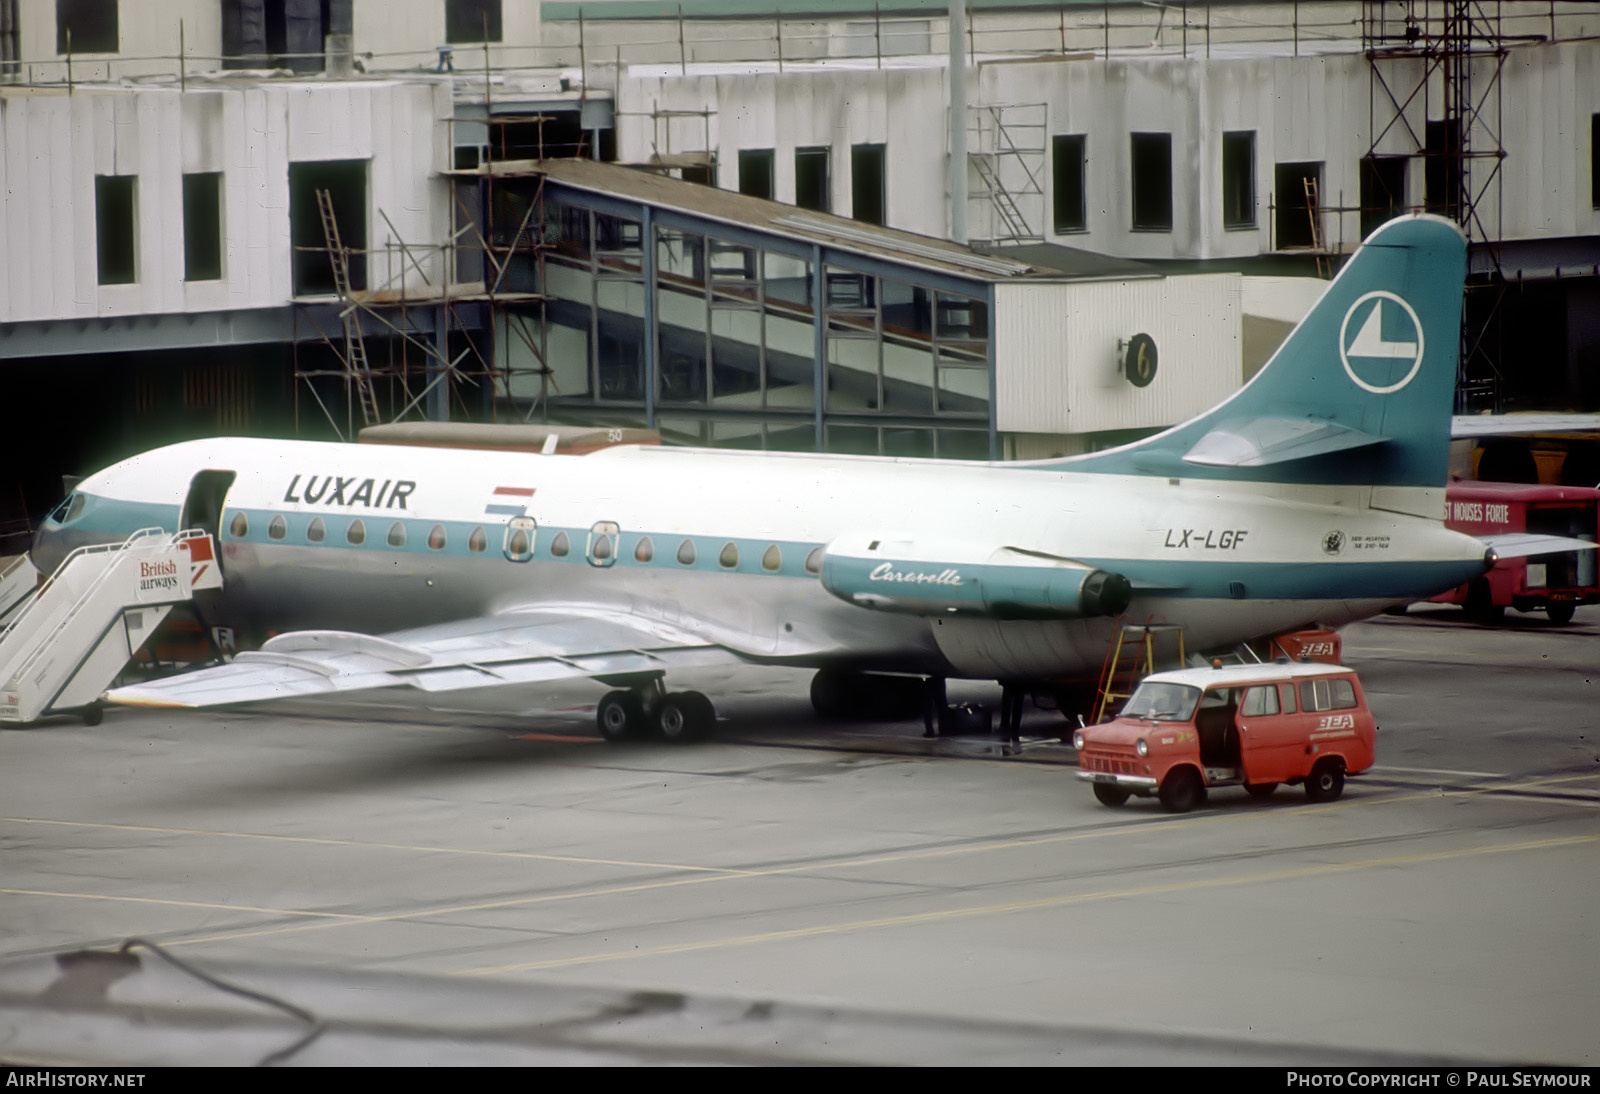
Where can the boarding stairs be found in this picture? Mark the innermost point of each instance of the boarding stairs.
(1138, 650)
(64, 648)
(18, 580)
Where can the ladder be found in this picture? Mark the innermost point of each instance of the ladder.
(1139, 650)
(355, 348)
(1314, 211)
(66, 646)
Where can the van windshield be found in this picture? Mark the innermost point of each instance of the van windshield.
(1162, 702)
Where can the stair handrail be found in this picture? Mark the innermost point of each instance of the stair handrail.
(45, 641)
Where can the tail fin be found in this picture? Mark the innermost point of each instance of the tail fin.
(1361, 391)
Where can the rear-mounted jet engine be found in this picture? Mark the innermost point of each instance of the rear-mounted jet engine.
(928, 577)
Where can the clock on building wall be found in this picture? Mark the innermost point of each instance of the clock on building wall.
(1139, 360)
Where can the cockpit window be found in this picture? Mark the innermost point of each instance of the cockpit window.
(1162, 702)
(70, 509)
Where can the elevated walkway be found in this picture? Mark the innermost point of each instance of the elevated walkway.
(63, 647)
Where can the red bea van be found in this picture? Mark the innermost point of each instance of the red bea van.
(1254, 726)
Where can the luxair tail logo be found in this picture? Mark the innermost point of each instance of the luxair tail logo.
(1380, 343)
(158, 575)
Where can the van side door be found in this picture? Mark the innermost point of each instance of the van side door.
(1270, 740)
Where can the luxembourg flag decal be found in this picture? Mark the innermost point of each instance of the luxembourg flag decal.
(501, 504)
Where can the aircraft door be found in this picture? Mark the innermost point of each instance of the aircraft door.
(202, 509)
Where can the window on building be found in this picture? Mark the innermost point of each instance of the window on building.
(114, 228)
(1441, 177)
(1383, 191)
(346, 184)
(1067, 182)
(202, 226)
(472, 20)
(1297, 186)
(86, 26)
(1239, 179)
(867, 193)
(755, 172)
(1152, 182)
(1594, 159)
(811, 184)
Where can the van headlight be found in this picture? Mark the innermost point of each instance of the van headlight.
(1142, 748)
(1077, 740)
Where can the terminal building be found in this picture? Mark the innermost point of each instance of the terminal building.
(740, 228)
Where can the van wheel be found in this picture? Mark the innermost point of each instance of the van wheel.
(1326, 782)
(1560, 612)
(1111, 794)
(1260, 790)
(1182, 790)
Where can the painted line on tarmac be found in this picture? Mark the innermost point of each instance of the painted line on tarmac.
(574, 859)
(299, 912)
(1132, 827)
(916, 918)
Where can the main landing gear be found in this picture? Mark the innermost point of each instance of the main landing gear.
(649, 708)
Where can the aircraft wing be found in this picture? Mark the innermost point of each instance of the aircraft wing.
(519, 647)
(1530, 544)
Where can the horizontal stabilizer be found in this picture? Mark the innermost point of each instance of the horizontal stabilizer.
(1256, 442)
(1530, 544)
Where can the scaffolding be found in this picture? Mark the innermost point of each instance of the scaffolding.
(1008, 147)
(441, 308)
(1436, 99)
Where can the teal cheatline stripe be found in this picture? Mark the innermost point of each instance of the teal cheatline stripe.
(1294, 580)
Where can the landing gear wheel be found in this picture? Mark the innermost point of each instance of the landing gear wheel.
(1260, 791)
(1182, 790)
(1111, 794)
(1326, 782)
(92, 714)
(685, 716)
(833, 693)
(1560, 612)
(1480, 604)
(619, 715)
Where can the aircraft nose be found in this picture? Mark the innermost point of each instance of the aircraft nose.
(48, 550)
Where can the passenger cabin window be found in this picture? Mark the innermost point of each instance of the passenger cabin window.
(814, 561)
(602, 549)
(1331, 694)
(686, 553)
(560, 546)
(772, 559)
(729, 558)
(397, 534)
(436, 537)
(239, 527)
(316, 531)
(644, 550)
(518, 544)
(1261, 701)
(356, 534)
(478, 541)
(278, 528)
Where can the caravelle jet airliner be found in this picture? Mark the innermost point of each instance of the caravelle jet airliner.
(1314, 495)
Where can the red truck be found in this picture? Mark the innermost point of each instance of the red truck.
(1555, 584)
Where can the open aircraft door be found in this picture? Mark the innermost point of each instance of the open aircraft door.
(203, 509)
